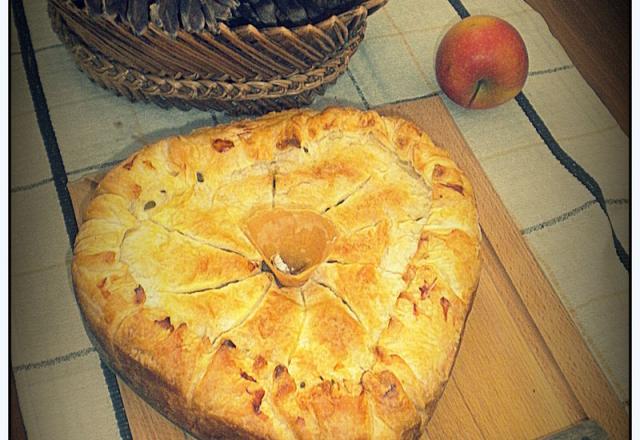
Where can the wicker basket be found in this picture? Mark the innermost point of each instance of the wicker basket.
(242, 70)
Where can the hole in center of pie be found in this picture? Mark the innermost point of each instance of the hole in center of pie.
(292, 242)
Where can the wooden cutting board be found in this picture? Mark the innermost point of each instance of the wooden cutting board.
(523, 371)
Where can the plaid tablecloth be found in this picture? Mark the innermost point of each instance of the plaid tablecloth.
(63, 126)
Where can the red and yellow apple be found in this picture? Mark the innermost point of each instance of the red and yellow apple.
(481, 62)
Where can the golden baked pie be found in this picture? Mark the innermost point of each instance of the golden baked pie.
(304, 275)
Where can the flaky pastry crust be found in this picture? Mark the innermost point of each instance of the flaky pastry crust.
(178, 302)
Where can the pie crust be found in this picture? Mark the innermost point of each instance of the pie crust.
(179, 302)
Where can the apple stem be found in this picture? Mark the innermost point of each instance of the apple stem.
(479, 84)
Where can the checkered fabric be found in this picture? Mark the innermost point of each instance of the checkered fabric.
(64, 126)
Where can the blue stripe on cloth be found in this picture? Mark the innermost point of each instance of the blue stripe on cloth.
(29, 186)
(575, 169)
(95, 167)
(567, 161)
(59, 178)
(460, 9)
(55, 361)
(44, 122)
(365, 103)
(567, 215)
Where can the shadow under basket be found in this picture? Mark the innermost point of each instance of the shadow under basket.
(242, 70)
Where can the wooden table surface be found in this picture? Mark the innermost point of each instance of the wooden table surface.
(595, 34)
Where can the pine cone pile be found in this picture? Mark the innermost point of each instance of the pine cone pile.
(197, 15)
(288, 12)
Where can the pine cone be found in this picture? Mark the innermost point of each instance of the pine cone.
(191, 15)
(138, 15)
(195, 15)
(170, 15)
(115, 8)
(263, 13)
